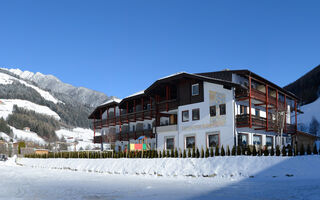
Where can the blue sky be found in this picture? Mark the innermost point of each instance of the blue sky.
(120, 47)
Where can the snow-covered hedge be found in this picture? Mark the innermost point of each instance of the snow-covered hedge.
(231, 167)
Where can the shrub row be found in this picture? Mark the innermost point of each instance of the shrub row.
(190, 153)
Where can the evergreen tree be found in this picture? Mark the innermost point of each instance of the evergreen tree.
(193, 152)
(290, 152)
(249, 153)
(315, 151)
(176, 153)
(284, 151)
(223, 153)
(184, 153)
(308, 149)
(233, 151)
(197, 153)
(238, 150)
(168, 153)
(189, 153)
(272, 151)
(160, 155)
(211, 152)
(228, 151)
(254, 152)
(296, 150)
(266, 151)
(180, 153)
(302, 151)
(260, 152)
(207, 153)
(164, 154)
(278, 150)
(217, 151)
(202, 153)
(243, 151)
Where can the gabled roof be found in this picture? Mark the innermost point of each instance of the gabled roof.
(190, 76)
(114, 101)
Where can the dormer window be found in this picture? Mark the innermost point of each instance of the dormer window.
(195, 89)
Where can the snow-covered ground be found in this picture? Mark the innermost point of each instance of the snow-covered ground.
(27, 136)
(82, 136)
(6, 108)
(24, 182)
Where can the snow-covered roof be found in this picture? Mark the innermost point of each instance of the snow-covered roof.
(113, 99)
(135, 94)
(173, 75)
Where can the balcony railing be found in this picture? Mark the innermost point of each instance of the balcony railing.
(123, 136)
(260, 122)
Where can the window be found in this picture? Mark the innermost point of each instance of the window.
(243, 110)
(222, 109)
(243, 140)
(195, 114)
(257, 140)
(190, 142)
(169, 143)
(213, 140)
(257, 112)
(195, 89)
(213, 111)
(269, 141)
(185, 116)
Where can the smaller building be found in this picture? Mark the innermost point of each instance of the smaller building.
(41, 151)
(27, 129)
(305, 139)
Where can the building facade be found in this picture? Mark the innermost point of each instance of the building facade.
(202, 110)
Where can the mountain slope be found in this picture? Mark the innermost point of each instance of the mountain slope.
(52, 83)
(307, 87)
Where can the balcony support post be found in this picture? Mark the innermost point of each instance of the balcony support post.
(150, 108)
(167, 97)
(120, 129)
(142, 108)
(134, 110)
(128, 113)
(277, 97)
(107, 117)
(267, 109)
(100, 118)
(94, 126)
(114, 114)
(285, 113)
(250, 117)
(295, 115)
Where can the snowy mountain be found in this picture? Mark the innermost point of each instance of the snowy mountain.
(52, 83)
(53, 110)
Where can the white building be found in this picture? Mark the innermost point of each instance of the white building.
(200, 110)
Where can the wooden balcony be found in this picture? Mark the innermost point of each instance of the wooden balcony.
(260, 123)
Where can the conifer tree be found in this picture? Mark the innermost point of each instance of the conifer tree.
(296, 150)
(207, 152)
(266, 151)
(170, 155)
(249, 153)
(260, 152)
(156, 154)
(211, 152)
(189, 153)
(184, 153)
(272, 151)
(254, 151)
(160, 155)
(197, 153)
(175, 153)
(302, 151)
(238, 150)
(290, 152)
(217, 151)
(308, 150)
(228, 151)
(243, 151)
(193, 152)
(180, 153)
(315, 151)
(164, 154)
(284, 151)
(202, 153)
(223, 153)
(278, 150)
(233, 151)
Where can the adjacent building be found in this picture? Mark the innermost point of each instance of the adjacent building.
(183, 110)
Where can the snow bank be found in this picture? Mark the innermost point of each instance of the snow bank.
(27, 136)
(6, 79)
(10, 162)
(219, 167)
(4, 136)
(6, 108)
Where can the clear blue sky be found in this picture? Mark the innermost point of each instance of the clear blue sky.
(120, 47)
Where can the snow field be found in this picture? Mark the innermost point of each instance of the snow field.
(226, 168)
(6, 108)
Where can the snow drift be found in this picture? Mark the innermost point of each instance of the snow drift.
(233, 167)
